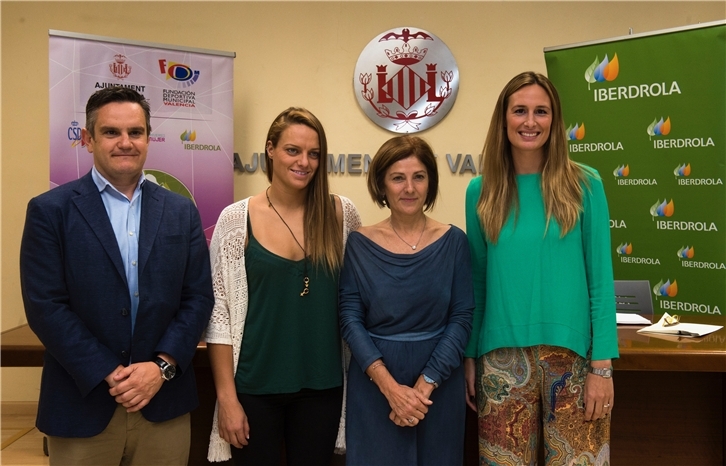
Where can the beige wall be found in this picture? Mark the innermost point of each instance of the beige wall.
(294, 53)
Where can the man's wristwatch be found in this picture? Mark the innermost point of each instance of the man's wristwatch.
(168, 371)
(428, 379)
(605, 372)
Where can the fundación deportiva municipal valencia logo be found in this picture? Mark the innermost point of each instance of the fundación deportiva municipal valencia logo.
(183, 74)
(601, 71)
(406, 80)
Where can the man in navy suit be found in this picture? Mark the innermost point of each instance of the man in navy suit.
(116, 283)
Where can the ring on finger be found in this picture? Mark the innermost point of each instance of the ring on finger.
(410, 420)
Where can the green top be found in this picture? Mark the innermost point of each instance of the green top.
(291, 342)
(535, 288)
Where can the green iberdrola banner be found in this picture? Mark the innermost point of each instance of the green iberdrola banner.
(649, 113)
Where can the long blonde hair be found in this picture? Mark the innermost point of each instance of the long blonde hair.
(561, 177)
(323, 241)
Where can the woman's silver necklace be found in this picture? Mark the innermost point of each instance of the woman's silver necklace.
(306, 278)
(412, 246)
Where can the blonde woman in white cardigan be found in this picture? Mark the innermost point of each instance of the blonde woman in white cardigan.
(275, 262)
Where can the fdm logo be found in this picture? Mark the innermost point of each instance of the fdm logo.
(601, 71)
(183, 74)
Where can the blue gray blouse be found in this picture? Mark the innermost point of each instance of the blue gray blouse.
(408, 297)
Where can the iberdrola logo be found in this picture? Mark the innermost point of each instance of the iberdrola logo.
(661, 209)
(188, 136)
(621, 171)
(624, 248)
(600, 71)
(668, 289)
(686, 252)
(682, 170)
(576, 132)
(659, 127)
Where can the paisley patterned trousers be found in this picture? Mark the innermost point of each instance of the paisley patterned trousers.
(521, 391)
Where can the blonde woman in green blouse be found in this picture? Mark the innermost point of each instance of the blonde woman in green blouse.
(544, 334)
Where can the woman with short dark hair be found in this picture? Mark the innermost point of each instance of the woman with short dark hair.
(406, 301)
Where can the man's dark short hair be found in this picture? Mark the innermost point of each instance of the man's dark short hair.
(108, 95)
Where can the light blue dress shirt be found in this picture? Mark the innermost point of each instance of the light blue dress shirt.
(125, 217)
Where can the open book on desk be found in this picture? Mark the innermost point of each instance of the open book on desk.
(680, 328)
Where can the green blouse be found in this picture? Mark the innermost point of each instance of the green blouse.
(291, 342)
(535, 288)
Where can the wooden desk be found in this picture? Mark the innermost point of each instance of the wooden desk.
(669, 404)
(670, 399)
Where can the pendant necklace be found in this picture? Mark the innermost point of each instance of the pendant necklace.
(412, 246)
(306, 279)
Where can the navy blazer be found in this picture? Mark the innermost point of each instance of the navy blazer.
(77, 302)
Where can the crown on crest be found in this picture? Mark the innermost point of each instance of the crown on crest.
(119, 58)
(406, 55)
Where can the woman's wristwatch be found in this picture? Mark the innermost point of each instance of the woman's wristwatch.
(605, 372)
(428, 379)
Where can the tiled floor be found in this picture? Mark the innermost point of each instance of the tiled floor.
(22, 444)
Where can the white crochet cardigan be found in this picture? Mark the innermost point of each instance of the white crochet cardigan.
(226, 326)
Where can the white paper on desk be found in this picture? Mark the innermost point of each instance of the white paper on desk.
(626, 318)
(680, 329)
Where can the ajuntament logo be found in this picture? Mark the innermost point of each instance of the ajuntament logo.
(416, 80)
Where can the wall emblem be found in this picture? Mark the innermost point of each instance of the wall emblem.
(406, 80)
